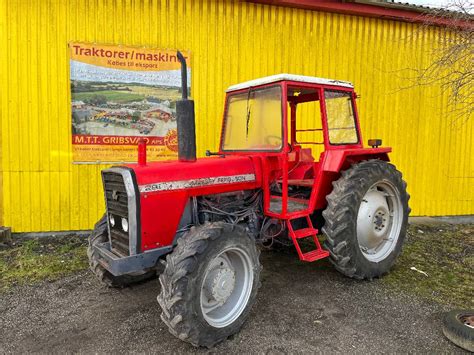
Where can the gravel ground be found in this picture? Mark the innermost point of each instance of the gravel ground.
(301, 307)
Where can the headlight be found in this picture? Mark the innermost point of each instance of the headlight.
(124, 225)
(112, 220)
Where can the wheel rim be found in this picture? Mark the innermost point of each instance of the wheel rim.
(467, 320)
(226, 287)
(379, 221)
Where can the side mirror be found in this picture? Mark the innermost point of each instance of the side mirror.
(375, 143)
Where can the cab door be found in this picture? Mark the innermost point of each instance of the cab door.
(291, 193)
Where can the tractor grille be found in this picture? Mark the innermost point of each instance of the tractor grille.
(117, 206)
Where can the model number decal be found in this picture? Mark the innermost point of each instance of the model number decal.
(188, 184)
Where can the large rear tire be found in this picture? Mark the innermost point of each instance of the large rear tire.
(366, 219)
(209, 284)
(100, 235)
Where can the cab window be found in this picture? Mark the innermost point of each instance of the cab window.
(340, 117)
(253, 121)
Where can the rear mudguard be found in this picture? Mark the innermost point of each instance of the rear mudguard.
(332, 162)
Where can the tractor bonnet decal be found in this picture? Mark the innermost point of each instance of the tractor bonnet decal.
(188, 184)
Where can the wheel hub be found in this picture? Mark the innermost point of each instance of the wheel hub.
(380, 220)
(220, 284)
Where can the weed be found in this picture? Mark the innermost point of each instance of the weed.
(34, 260)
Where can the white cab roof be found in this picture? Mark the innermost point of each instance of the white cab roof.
(290, 77)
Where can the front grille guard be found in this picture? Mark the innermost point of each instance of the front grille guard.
(118, 266)
(133, 206)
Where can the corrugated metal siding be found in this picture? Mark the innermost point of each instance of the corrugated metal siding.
(230, 42)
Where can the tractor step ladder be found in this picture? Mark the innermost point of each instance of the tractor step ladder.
(310, 231)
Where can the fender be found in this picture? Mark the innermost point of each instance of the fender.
(335, 160)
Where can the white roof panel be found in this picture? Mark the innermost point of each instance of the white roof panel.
(291, 77)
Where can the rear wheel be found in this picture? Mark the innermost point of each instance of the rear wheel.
(366, 219)
(100, 235)
(209, 284)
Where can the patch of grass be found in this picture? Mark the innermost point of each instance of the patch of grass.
(446, 254)
(33, 260)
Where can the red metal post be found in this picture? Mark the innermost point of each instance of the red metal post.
(142, 152)
(293, 123)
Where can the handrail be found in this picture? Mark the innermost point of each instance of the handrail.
(309, 130)
(309, 142)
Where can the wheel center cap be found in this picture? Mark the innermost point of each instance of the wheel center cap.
(380, 221)
(223, 284)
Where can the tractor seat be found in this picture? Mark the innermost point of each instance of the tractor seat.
(302, 155)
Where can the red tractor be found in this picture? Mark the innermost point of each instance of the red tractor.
(205, 218)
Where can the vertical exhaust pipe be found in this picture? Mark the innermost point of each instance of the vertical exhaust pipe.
(185, 119)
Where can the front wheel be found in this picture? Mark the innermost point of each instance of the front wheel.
(209, 284)
(366, 219)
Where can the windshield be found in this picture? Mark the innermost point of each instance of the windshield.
(253, 120)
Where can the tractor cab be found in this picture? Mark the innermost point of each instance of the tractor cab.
(261, 115)
(290, 122)
(301, 129)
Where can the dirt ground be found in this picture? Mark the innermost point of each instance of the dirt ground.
(301, 307)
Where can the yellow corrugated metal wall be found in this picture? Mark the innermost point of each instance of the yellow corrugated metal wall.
(230, 41)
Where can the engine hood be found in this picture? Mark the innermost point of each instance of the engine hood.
(206, 175)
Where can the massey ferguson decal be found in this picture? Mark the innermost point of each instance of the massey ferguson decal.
(188, 184)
